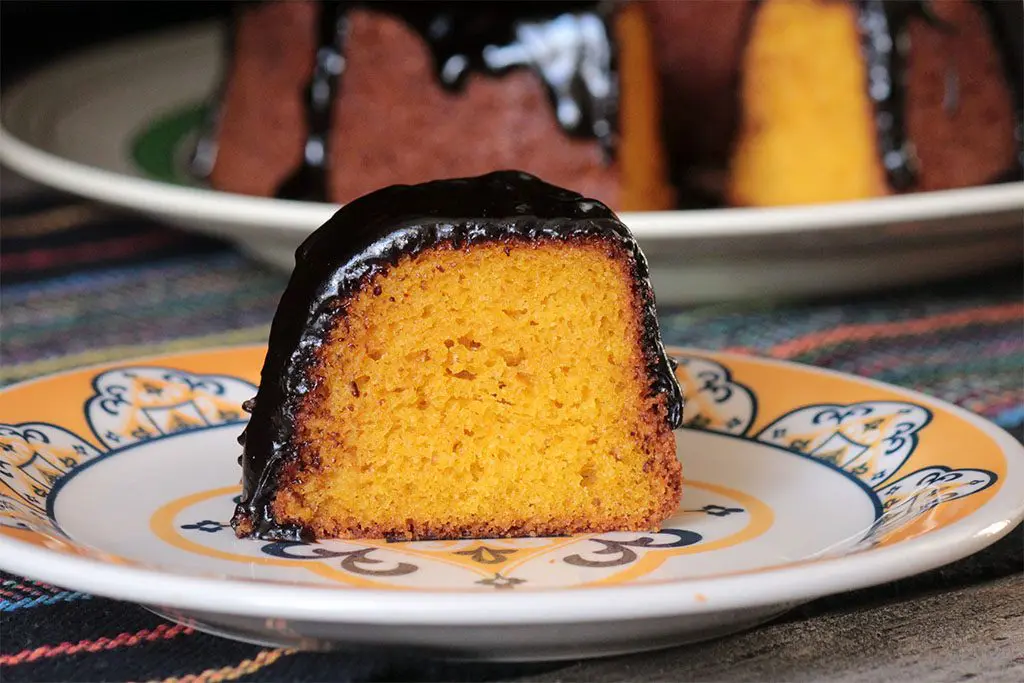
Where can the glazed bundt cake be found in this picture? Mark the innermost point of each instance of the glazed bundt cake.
(330, 100)
(463, 358)
(831, 100)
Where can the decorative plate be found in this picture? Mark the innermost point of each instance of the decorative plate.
(116, 124)
(119, 480)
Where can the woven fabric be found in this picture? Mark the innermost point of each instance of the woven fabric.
(82, 285)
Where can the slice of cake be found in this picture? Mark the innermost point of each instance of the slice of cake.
(464, 358)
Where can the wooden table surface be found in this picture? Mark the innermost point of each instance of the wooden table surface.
(971, 633)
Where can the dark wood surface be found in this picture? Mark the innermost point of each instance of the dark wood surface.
(972, 633)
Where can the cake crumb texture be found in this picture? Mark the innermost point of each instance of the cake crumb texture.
(498, 390)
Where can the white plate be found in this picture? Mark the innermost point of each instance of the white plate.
(119, 480)
(77, 124)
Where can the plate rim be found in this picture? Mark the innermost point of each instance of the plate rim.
(789, 584)
(165, 199)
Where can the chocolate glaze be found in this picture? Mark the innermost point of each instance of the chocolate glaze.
(309, 181)
(883, 28)
(566, 43)
(366, 238)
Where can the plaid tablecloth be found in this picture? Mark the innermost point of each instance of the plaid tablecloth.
(80, 284)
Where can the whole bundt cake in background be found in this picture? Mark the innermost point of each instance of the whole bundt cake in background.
(751, 102)
(830, 100)
(330, 100)
(464, 358)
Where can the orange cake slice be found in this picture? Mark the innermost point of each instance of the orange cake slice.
(464, 358)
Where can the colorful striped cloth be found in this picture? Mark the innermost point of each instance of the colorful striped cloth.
(81, 284)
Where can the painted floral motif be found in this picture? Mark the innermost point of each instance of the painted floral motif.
(869, 440)
(495, 563)
(34, 457)
(918, 493)
(359, 561)
(485, 555)
(138, 403)
(612, 552)
(718, 510)
(500, 582)
(714, 402)
(208, 526)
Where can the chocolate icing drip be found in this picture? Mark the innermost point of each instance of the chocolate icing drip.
(366, 238)
(566, 43)
(309, 181)
(883, 27)
(1005, 19)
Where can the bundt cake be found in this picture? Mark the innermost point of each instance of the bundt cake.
(829, 100)
(330, 100)
(463, 358)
